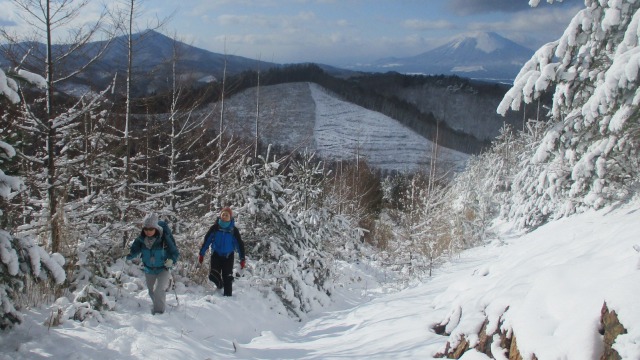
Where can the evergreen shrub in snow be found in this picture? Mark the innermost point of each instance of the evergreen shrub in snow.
(287, 230)
(478, 192)
(90, 302)
(23, 261)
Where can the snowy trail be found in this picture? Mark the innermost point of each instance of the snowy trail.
(554, 280)
(387, 327)
(206, 325)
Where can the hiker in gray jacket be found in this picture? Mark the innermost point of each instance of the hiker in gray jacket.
(159, 253)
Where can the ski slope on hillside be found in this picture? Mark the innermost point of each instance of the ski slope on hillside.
(286, 115)
(304, 116)
(344, 131)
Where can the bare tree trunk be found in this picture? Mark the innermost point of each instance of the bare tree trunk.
(255, 152)
(524, 117)
(434, 152)
(340, 178)
(51, 140)
(126, 20)
(174, 109)
(434, 161)
(221, 137)
(224, 79)
(127, 138)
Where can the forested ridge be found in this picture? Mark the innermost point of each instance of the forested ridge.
(391, 94)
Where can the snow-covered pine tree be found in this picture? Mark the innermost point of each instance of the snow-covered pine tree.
(50, 114)
(80, 164)
(419, 222)
(22, 261)
(290, 230)
(588, 154)
(431, 229)
(477, 193)
(334, 235)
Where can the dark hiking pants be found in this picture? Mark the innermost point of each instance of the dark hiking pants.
(221, 272)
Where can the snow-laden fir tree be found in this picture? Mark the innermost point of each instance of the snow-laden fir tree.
(477, 193)
(587, 156)
(55, 64)
(22, 261)
(288, 231)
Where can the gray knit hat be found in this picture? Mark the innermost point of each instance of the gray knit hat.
(151, 221)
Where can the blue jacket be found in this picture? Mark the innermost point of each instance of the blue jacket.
(223, 241)
(163, 248)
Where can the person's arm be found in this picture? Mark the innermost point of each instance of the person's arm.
(236, 234)
(135, 249)
(208, 239)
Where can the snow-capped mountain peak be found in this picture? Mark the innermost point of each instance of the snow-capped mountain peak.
(487, 42)
(480, 55)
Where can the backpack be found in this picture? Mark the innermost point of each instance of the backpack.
(166, 233)
(167, 236)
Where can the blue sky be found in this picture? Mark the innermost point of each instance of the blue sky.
(342, 32)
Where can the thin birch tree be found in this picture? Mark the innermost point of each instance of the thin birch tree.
(126, 17)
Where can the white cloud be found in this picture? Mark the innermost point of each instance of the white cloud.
(305, 16)
(254, 20)
(415, 24)
(337, 38)
(258, 20)
(7, 14)
(549, 22)
(470, 7)
(542, 20)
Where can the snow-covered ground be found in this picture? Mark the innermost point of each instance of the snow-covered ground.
(554, 281)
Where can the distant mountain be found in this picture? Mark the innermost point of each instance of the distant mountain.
(481, 55)
(153, 52)
(152, 56)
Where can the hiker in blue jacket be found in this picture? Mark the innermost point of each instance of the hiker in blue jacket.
(223, 238)
(159, 253)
